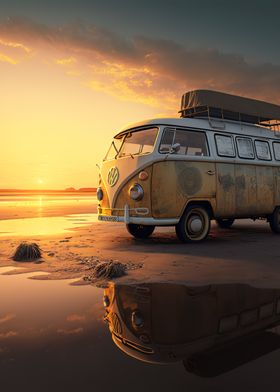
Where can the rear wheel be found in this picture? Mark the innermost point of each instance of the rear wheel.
(224, 223)
(140, 231)
(274, 220)
(194, 224)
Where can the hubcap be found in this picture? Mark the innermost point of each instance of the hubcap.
(195, 224)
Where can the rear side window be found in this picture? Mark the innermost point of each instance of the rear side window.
(188, 142)
(225, 146)
(262, 150)
(276, 148)
(245, 148)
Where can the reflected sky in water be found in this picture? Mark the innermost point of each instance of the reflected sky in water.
(28, 205)
(45, 225)
(53, 337)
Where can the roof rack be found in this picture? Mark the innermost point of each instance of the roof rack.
(217, 105)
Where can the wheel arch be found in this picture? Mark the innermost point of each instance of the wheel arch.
(203, 203)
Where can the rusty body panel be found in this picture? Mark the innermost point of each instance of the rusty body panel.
(245, 190)
(176, 182)
(232, 189)
(123, 196)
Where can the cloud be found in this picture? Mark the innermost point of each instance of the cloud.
(66, 61)
(6, 59)
(151, 71)
(7, 317)
(74, 331)
(9, 334)
(76, 317)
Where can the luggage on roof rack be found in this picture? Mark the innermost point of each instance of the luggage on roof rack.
(214, 104)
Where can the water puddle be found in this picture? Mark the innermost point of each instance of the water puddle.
(45, 225)
(216, 337)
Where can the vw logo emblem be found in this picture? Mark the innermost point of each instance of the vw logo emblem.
(113, 176)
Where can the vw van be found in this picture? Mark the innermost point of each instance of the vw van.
(211, 328)
(219, 161)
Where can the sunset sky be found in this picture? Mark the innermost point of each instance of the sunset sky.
(73, 73)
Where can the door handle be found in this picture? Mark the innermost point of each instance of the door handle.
(211, 172)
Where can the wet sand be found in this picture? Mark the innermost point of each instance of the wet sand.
(246, 253)
(52, 336)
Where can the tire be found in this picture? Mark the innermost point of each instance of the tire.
(224, 223)
(274, 221)
(140, 231)
(194, 224)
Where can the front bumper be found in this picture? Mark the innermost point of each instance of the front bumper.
(141, 219)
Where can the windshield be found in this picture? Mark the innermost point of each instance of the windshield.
(138, 142)
(113, 150)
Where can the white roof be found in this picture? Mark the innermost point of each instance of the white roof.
(214, 125)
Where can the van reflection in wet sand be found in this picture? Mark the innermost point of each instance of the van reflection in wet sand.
(212, 329)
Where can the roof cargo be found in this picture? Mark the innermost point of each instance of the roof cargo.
(207, 103)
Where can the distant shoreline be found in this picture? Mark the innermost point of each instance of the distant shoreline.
(81, 190)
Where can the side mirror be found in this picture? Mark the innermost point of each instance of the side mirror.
(175, 148)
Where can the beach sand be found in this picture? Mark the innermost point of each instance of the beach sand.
(246, 253)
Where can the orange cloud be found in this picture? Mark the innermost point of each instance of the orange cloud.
(6, 59)
(15, 45)
(9, 334)
(75, 317)
(151, 71)
(66, 61)
(7, 317)
(69, 331)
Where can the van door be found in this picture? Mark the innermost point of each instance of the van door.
(176, 182)
(185, 173)
(238, 190)
(226, 191)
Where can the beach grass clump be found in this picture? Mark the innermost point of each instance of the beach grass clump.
(108, 270)
(27, 251)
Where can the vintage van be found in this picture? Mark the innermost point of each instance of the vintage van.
(211, 328)
(219, 161)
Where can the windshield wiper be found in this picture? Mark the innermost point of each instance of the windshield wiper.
(117, 151)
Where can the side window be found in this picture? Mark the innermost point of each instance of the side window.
(276, 148)
(245, 147)
(225, 146)
(167, 140)
(263, 151)
(190, 142)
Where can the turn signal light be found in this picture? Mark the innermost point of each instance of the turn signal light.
(143, 175)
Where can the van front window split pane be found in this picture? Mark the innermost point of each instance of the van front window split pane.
(139, 142)
(190, 142)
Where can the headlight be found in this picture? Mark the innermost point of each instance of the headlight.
(136, 192)
(99, 194)
(137, 319)
(106, 301)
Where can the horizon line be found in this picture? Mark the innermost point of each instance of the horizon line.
(70, 189)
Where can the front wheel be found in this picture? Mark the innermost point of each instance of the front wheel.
(140, 231)
(194, 224)
(274, 221)
(224, 223)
